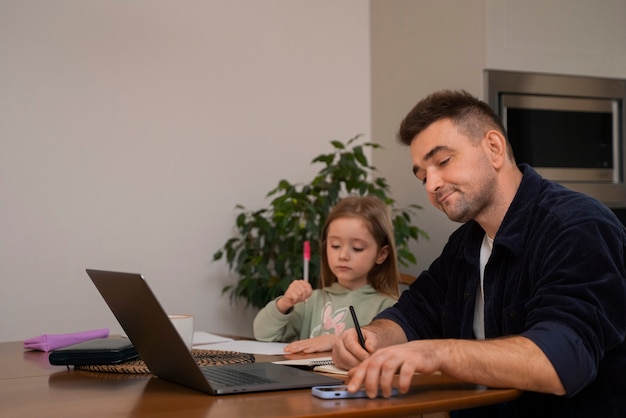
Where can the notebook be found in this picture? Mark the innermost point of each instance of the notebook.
(317, 364)
(162, 349)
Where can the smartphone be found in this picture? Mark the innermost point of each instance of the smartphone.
(341, 392)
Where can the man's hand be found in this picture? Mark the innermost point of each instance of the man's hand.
(377, 371)
(348, 353)
(512, 362)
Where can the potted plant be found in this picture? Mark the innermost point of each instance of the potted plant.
(266, 252)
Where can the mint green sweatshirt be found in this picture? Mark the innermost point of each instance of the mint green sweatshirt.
(325, 312)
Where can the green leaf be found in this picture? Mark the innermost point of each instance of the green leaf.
(359, 155)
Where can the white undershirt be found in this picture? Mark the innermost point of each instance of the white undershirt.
(479, 309)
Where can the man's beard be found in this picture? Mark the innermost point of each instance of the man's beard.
(464, 209)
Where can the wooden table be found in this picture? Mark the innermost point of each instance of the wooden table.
(31, 387)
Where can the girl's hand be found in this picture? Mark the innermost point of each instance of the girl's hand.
(298, 291)
(312, 345)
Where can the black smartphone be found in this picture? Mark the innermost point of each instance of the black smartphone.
(111, 350)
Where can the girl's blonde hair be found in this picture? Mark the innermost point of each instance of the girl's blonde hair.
(376, 216)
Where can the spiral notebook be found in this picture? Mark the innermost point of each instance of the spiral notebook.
(318, 364)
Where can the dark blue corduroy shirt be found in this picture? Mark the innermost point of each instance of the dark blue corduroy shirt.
(556, 275)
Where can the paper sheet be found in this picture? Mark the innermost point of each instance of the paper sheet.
(201, 338)
(330, 368)
(247, 346)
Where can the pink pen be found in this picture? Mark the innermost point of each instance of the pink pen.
(307, 258)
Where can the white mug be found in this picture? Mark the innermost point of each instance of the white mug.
(184, 326)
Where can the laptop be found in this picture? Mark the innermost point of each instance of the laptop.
(163, 350)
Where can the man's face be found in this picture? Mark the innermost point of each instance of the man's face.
(456, 172)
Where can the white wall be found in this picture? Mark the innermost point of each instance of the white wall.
(422, 46)
(580, 37)
(129, 130)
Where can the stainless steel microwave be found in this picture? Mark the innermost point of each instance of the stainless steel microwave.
(569, 128)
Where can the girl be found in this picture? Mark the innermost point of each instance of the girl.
(359, 268)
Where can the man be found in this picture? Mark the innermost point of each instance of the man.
(529, 293)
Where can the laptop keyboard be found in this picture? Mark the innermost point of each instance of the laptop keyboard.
(232, 377)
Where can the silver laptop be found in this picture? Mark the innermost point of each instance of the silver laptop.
(162, 349)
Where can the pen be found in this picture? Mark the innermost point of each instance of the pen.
(307, 256)
(357, 327)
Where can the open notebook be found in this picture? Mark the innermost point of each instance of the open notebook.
(162, 349)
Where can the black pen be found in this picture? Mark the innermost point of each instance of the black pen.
(357, 327)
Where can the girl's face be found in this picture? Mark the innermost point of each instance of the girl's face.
(352, 251)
